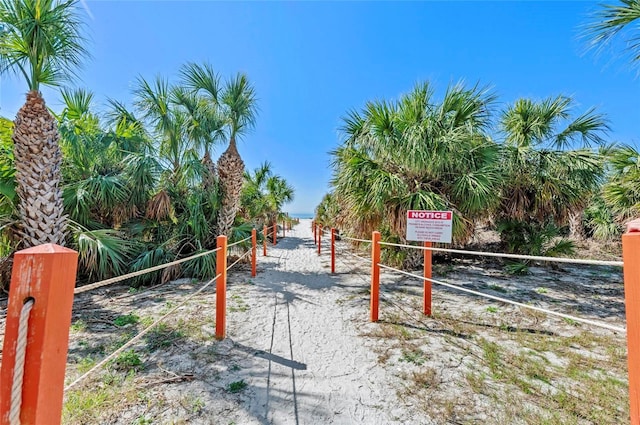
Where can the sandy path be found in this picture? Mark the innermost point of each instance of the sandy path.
(303, 359)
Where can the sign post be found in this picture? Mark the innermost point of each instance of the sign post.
(429, 227)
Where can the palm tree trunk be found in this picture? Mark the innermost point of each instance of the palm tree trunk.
(576, 230)
(230, 176)
(209, 178)
(38, 160)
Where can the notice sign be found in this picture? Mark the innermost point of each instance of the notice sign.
(429, 226)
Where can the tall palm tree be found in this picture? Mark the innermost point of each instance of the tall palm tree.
(236, 106)
(41, 41)
(615, 21)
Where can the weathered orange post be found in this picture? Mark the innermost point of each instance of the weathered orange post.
(275, 231)
(42, 280)
(333, 250)
(254, 243)
(264, 241)
(319, 239)
(426, 301)
(375, 275)
(221, 287)
(313, 226)
(631, 258)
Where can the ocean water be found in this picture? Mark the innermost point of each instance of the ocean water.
(302, 215)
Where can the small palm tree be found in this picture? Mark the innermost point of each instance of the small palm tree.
(264, 194)
(41, 41)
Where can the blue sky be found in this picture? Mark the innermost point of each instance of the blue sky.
(313, 61)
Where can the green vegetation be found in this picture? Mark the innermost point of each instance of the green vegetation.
(547, 180)
(128, 319)
(236, 386)
(127, 361)
(140, 184)
(163, 336)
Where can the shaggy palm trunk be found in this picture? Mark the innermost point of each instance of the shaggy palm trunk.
(209, 178)
(230, 173)
(38, 160)
(575, 225)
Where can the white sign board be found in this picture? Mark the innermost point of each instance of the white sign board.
(429, 226)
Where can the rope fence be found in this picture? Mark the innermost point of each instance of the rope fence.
(514, 256)
(507, 301)
(239, 242)
(138, 336)
(355, 239)
(49, 319)
(239, 259)
(113, 280)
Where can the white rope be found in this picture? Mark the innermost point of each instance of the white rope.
(357, 256)
(139, 273)
(521, 257)
(137, 337)
(355, 239)
(238, 260)
(239, 242)
(18, 369)
(504, 300)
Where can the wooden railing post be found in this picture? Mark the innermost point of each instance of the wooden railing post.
(45, 274)
(221, 287)
(631, 258)
(319, 239)
(375, 275)
(333, 250)
(264, 241)
(315, 238)
(284, 228)
(426, 301)
(275, 231)
(254, 243)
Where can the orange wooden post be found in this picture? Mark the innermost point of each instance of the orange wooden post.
(45, 274)
(264, 241)
(319, 239)
(254, 242)
(333, 250)
(631, 258)
(375, 275)
(426, 302)
(221, 287)
(275, 231)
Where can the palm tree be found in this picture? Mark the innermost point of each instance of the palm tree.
(614, 21)
(621, 193)
(236, 106)
(254, 201)
(264, 194)
(417, 153)
(550, 173)
(279, 192)
(40, 41)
